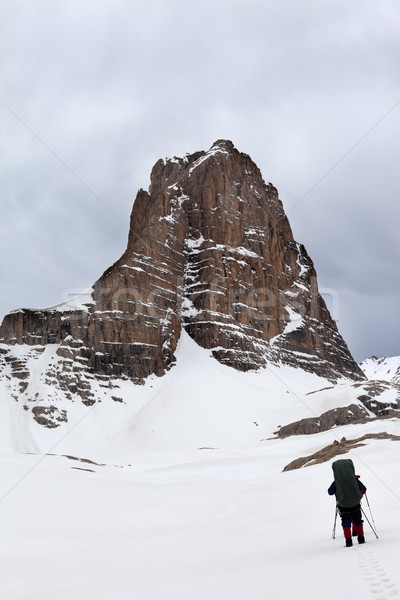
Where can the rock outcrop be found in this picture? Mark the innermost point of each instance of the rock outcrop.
(374, 400)
(337, 448)
(344, 415)
(211, 250)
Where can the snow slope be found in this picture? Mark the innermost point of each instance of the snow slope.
(198, 403)
(181, 496)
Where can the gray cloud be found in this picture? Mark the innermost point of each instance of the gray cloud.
(111, 86)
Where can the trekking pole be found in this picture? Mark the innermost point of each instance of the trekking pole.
(369, 523)
(370, 511)
(334, 523)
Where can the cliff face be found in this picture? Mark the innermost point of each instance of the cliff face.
(211, 250)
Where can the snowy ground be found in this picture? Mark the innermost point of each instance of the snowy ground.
(214, 524)
(163, 519)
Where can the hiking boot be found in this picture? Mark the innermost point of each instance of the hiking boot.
(349, 542)
(361, 539)
(354, 533)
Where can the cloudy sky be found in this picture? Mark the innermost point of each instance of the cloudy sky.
(93, 92)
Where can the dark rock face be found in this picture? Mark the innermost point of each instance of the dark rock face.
(49, 416)
(211, 250)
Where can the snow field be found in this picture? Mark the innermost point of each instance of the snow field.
(225, 524)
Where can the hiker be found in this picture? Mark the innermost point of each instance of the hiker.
(349, 490)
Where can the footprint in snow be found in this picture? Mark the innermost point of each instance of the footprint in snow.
(381, 586)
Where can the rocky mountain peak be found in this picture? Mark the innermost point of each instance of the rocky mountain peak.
(210, 250)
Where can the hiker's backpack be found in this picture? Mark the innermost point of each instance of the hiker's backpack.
(348, 493)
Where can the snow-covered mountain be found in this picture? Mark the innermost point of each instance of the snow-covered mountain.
(210, 254)
(210, 250)
(211, 271)
(384, 368)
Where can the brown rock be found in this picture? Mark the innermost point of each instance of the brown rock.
(335, 417)
(211, 250)
(336, 449)
(49, 416)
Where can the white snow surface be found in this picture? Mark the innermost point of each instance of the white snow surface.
(215, 149)
(188, 500)
(295, 321)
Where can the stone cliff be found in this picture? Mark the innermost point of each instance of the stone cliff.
(211, 250)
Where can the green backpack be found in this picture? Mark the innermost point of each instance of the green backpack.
(348, 493)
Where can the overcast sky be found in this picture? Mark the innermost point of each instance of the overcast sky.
(93, 92)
